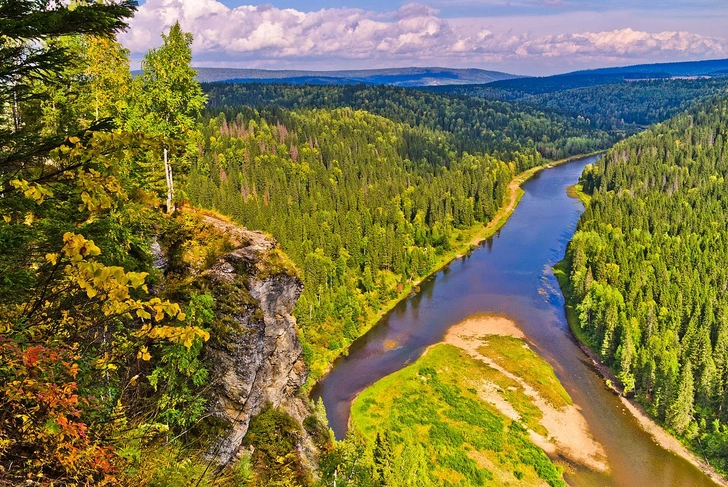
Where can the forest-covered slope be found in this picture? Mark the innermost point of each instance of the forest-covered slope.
(648, 272)
(371, 190)
(146, 342)
(498, 128)
(363, 205)
(608, 101)
(594, 77)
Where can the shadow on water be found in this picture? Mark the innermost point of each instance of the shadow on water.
(510, 274)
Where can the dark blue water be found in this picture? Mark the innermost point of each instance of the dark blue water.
(510, 274)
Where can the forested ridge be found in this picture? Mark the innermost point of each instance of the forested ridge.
(648, 272)
(608, 101)
(368, 191)
(498, 128)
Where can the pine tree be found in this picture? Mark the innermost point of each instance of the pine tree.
(30, 54)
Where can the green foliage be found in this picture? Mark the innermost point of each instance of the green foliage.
(362, 205)
(31, 54)
(350, 464)
(508, 131)
(610, 103)
(76, 321)
(174, 464)
(179, 375)
(648, 266)
(166, 101)
(275, 460)
(167, 97)
(317, 426)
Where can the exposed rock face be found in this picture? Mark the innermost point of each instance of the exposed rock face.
(160, 260)
(255, 357)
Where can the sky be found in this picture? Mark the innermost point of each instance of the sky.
(528, 37)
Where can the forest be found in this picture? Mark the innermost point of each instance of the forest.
(498, 128)
(608, 101)
(108, 185)
(648, 275)
(366, 206)
(100, 373)
(105, 321)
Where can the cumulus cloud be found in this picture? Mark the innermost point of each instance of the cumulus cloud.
(247, 35)
(626, 43)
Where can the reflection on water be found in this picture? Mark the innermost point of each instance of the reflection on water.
(510, 274)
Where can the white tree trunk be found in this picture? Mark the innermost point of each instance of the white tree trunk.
(170, 183)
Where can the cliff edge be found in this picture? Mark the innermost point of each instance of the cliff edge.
(254, 354)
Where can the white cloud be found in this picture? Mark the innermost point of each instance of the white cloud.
(414, 34)
(626, 43)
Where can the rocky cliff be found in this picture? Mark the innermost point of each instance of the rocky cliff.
(254, 356)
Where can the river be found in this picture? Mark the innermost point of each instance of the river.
(510, 274)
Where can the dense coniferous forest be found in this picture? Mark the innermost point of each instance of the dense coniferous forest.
(107, 316)
(608, 101)
(499, 128)
(648, 272)
(366, 205)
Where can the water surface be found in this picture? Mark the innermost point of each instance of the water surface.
(510, 274)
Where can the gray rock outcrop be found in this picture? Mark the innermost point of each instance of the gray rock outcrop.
(254, 356)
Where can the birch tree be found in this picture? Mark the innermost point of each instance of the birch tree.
(168, 98)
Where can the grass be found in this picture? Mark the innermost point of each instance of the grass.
(513, 355)
(436, 403)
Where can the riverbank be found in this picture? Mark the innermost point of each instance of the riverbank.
(514, 197)
(507, 277)
(575, 191)
(466, 242)
(658, 433)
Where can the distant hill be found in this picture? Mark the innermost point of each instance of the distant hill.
(713, 67)
(603, 76)
(408, 77)
(622, 99)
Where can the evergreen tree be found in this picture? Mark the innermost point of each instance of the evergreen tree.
(680, 412)
(648, 263)
(31, 53)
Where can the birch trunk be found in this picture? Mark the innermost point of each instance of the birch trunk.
(170, 183)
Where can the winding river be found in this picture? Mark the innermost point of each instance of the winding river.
(510, 274)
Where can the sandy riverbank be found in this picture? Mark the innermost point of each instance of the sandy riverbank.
(568, 433)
